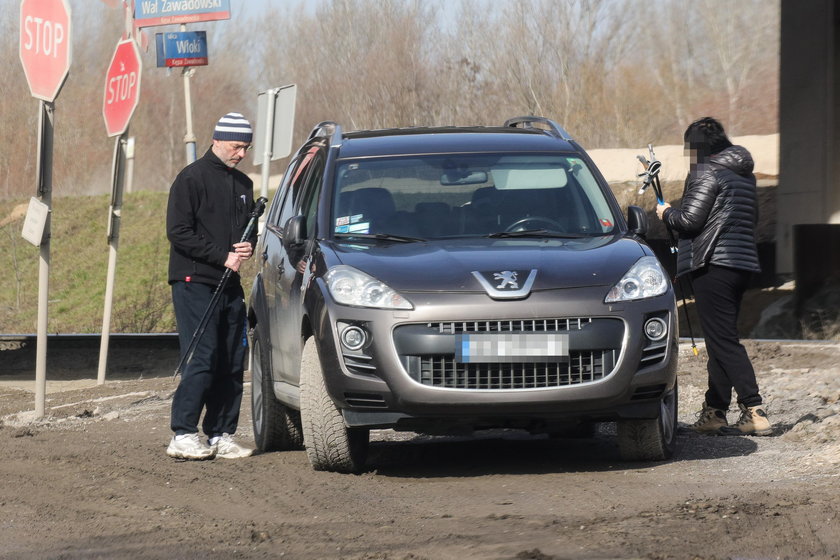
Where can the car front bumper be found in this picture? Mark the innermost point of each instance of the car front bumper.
(409, 372)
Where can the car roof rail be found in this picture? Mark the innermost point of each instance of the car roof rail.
(528, 122)
(323, 129)
(328, 130)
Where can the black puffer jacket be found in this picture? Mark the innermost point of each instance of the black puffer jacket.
(718, 214)
(208, 211)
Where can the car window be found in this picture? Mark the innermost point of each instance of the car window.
(274, 212)
(469, 194)
(311, 192)
(295, 178)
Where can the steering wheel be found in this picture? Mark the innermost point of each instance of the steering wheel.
(537, 221)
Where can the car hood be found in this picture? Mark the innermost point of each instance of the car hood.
(448, 265)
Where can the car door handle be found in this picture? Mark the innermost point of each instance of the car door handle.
(281, 268)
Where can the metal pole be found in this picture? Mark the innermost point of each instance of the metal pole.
(46, 122)
(189, 137)
(270, 98)
(117, 173)
(129, 165)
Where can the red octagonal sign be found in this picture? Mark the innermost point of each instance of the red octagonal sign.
(45, 45)
(122, 87)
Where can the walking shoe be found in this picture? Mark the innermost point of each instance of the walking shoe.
(226, 448)
(189, 446)
(753, 422)
(709, 420)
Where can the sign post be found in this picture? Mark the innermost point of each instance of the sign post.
(122, 93)
(185, 50)
(45, 53)
(275, 126)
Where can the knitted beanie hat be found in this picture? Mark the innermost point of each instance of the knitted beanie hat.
(233, 126)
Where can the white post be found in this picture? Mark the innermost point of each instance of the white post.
(117, 171)
(129, 165)
(270, 98)
(46, 121)
(189, 137)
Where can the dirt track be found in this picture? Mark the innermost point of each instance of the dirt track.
(92, 481)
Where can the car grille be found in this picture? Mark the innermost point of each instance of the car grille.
(441, 369)
(511, 325)
(444, 371)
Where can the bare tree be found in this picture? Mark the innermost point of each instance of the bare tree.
(737, 42)
(613, 72)
(715, 57)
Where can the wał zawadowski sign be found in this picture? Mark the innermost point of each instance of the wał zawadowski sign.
(149, 13)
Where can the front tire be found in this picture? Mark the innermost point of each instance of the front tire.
(330, 444)
(276, 427)
(651, 439)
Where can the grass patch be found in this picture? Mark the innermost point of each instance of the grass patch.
(79, 263)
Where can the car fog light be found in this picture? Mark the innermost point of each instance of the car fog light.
(655, 329)
(353, 338)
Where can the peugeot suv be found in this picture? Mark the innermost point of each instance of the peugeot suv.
(437, 280)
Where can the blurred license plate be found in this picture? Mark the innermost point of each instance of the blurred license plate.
(512, 347)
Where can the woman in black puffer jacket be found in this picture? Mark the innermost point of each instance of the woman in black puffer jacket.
(716, 226)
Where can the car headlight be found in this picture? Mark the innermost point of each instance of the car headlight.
(645, 279)
(349, 286)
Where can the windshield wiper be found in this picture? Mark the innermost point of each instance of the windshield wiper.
(537, 233)
(381, 237)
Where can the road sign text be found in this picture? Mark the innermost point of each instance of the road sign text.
(43, 35)
(120, 87)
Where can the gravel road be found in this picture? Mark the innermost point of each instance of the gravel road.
(91, 480)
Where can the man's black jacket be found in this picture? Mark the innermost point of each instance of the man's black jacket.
(717, 218)
(209, 208)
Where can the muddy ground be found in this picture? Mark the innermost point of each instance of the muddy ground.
(92, 481)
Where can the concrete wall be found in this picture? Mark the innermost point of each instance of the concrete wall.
(809, 161)
(620, 164)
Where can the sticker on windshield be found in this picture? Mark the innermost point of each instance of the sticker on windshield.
(606, 222)
(345, 220)
(359, 227)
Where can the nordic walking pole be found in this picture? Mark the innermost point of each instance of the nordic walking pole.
(259, 207)
(651, 175)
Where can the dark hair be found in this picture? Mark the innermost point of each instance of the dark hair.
(707, 137)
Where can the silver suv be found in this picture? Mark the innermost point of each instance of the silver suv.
(441, 279)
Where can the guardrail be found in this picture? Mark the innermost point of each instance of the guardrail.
(77, 355)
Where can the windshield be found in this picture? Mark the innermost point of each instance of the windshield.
(432, 197)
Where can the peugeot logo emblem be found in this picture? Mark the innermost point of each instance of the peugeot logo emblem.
(508, 279)
(505, 284)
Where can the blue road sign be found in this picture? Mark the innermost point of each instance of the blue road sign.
(176, 49)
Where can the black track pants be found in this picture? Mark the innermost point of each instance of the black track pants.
(718, 292)
(213, 378)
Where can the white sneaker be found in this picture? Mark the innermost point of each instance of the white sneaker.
(189, 446)
(228, 449)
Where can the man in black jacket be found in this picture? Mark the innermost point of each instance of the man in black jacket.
(716, 225)
(209, 206)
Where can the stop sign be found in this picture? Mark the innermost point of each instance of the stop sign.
(122, 87)
(45, 45)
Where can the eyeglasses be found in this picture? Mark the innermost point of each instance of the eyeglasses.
(239, 147)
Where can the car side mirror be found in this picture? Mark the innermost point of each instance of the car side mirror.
(637, 221)
(293, 232)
